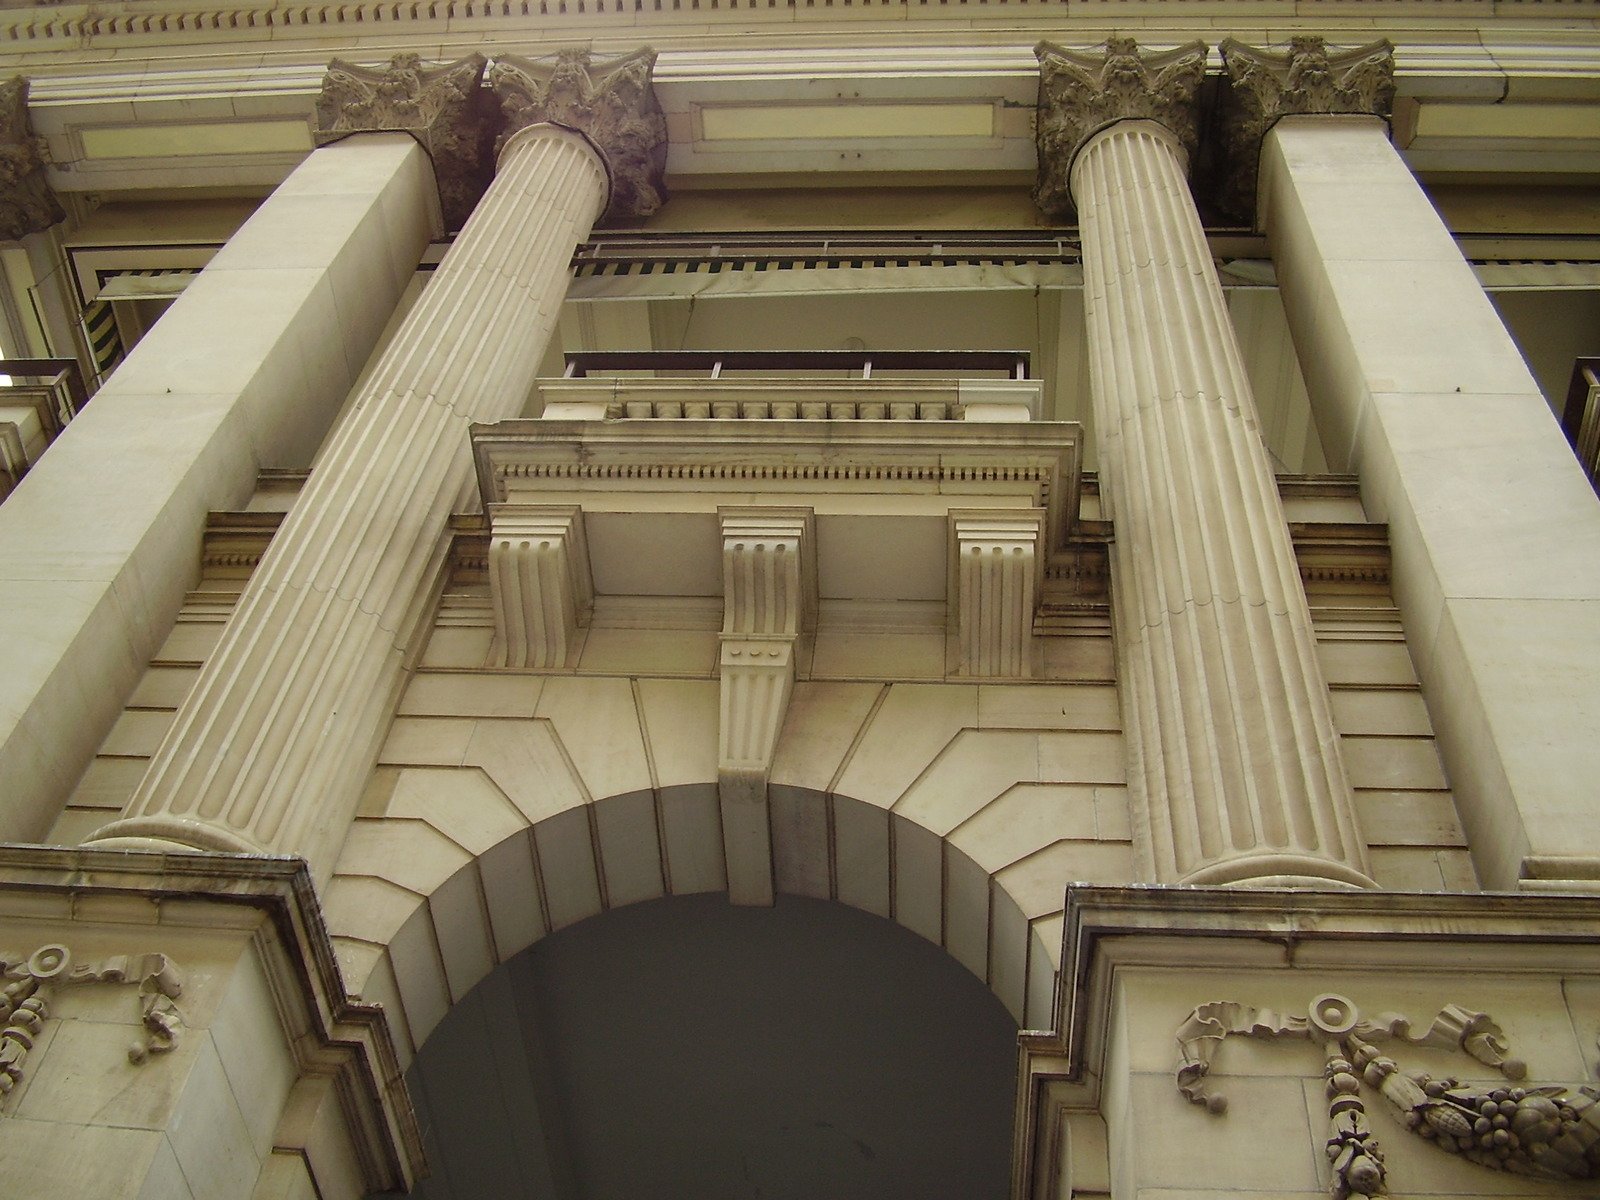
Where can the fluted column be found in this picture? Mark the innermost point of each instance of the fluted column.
(1236, 771)
(270, 750)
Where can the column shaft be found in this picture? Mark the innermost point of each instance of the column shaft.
(271, 748)
(1416, 384)
(246, 370)
(1235, 764)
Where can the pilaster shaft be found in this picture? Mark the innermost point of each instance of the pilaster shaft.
(1236, 772)
(270, 749)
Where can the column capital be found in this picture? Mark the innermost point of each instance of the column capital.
(610, 101)
(1083, 91)
(1306, 79)
(27, 203)
(442, 106)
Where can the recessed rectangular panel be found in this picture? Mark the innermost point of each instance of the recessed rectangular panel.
(870, 558)
(655, 554)
(832, 122)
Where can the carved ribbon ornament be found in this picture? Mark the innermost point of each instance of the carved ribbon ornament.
(1550, 1133)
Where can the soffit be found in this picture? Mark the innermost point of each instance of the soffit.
(1471, 101)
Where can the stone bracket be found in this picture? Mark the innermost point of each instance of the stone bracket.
(769, 596)
(539, 584)
(996, 571)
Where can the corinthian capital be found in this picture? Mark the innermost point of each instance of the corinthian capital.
(1083, 91)
(612, 102)
(1308, 78)
(443, 107)
(27, 205)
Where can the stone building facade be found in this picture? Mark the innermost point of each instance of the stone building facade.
(1084, 484)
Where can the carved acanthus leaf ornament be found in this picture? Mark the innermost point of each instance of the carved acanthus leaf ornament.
(1083, 91)
(444, 107)
(612, 102)
(27, 204)
(1307, 79)
(1549, 1133)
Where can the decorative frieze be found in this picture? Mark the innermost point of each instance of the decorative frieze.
(443, 107)
(27, 204)
(539, 583)
(769, 596)
(1307, 78)
(612, 102)
(1550, 1132)
(1084, 91)
(996, 568)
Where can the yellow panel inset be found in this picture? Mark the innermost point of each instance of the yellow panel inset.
(831, 122)
(193, 141)
(1509, 120)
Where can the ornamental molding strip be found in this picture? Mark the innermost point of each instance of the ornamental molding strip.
(1084, 91)
(27, 203)
(1306, 79)
(444, 107)
(612, 102)
(1548, 1133)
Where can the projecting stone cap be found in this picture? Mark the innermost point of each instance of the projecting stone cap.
(27, 205)
(1306, 79)
(612, 102)
(444, 107)
(1083, 91)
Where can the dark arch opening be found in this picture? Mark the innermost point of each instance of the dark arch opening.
(684, 1047)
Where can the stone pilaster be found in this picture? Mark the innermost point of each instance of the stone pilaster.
(444, 107)
(539, 584)
(611, 102)
(769, 592)
(273, 745)
(27, 203)
(1306, 79)
(1236, 775)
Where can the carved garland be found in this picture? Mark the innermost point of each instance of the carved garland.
(1550, 1133)
(27, 205)
(25, 1001)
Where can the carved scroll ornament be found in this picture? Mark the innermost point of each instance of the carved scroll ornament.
(1083, 91)
(612, 102)
(442, 106)
(1306, 79)
(32, 982)
(27, 204)
(1550, 1133)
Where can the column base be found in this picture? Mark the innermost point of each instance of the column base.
(1279, 871)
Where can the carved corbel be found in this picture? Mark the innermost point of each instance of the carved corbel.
(1307, 79)
(444, 107)
(996, 568)
(769, 597)
(612, 102)
(1083, 91)
(27, 203)
(539, 584)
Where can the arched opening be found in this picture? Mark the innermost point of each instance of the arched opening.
(687, 1047)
